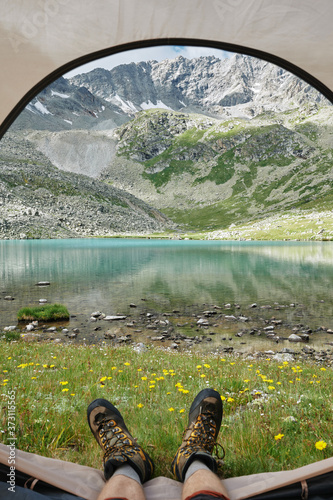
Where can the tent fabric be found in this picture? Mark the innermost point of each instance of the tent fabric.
(86, 482)
(41, 39)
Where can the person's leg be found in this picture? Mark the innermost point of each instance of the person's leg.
(126, 465)
(193, 463)
(121, 487)
(204, 484)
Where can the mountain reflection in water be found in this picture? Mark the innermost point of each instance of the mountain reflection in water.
(109, 274)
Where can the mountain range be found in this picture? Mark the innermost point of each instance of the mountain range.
(207, 142)
(102, 99)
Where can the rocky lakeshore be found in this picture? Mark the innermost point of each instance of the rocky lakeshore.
(251, 331)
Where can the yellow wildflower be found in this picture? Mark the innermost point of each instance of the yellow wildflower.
(320, 445)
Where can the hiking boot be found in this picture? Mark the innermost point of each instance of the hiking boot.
(120, 448)
(205, 417)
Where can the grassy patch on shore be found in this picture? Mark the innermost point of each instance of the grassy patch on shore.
(292, 225)
(281, 410)
(46, 312)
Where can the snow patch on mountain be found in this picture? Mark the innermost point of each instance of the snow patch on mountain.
(41, 108)
(150, 105)
(127, 106)
(63, 96)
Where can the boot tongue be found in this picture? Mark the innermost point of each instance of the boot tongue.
(99, 418)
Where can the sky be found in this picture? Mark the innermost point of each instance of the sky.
(157, 53)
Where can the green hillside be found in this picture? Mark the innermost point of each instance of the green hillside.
(206, 173)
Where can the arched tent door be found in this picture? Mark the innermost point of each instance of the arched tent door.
(151, 43)
(42, 39)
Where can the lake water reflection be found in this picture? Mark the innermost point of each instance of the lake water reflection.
(109, 274)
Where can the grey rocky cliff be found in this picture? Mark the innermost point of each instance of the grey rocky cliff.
(238, 86)
(39, 201)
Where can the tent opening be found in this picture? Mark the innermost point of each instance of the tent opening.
(191, 129)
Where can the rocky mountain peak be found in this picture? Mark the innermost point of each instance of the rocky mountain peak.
(238, 86)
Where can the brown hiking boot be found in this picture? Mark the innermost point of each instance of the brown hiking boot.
(120, 448)
(205, 417)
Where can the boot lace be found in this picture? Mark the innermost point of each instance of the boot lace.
(115, 441)
(202, 436)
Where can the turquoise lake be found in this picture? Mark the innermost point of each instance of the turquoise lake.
(109, 274)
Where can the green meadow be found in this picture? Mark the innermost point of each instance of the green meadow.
(276, 415)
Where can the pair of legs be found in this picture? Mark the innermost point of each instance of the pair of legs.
(127, 466)
(121, 487)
